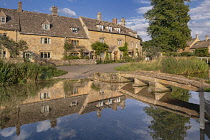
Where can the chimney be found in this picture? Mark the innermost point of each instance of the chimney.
(207, 37)
(123, 22)
(196, 36)
(54, 11)
(99, 16)
(19, 6)
(114, 20)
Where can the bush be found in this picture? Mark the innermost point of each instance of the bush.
(187, 54)
(25, 72)
(201, 52)
(69, 57)
(183, 65)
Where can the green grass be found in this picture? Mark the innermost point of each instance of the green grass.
(171, 65)
(26, 72)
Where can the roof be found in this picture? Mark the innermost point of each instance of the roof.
(201, 44)
(31, 23)
(93, 23)
(12, 20)
(189, 42)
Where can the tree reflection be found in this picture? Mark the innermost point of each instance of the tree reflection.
(166, 125)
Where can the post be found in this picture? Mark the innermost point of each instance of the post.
(202, 106)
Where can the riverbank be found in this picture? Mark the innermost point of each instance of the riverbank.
(11, 73)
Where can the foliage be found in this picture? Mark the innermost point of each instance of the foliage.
(14, 47)
(187, 54)
(166, 125)
(172, 65)
(151, 50)
(124, 49)
(68, 46)
(201, 52)
(183, 65)
(180, 94)
(26, 72)
(150, 66)
(99, 47)
(168, 24)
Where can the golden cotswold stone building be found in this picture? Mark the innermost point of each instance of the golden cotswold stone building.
(46, 34)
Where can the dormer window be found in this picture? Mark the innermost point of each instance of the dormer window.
(110, 29)
(118, 30)
(75, 29)
(3, 18)
(101, 27)
(46, 25)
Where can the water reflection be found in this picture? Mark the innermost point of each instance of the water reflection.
(71, 109)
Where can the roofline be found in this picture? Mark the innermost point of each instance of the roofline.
(52, 35)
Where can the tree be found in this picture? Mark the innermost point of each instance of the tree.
(99, 47)
(168, 24)
(14, 47)
(124, 49)
(151, 50)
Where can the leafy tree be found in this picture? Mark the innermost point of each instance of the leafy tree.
(14, 47)
(151, 50)
(99, 47)
(168, 24)
(124, 49)
(201, 52)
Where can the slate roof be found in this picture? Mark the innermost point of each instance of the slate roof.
(12, 20)
(201, 44)
(31, 23)
(189, 42)
(92, 26)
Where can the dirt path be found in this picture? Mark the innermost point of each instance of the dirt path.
(85, 71)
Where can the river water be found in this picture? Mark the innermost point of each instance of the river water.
(93, 110)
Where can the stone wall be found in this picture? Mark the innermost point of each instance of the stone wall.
(73, 62)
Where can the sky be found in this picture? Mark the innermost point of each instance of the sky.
(131, 10)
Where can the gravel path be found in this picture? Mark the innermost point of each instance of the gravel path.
(85, 71)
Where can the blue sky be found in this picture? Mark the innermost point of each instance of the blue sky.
(131, 10)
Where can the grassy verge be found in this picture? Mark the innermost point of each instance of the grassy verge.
(169, 65)
(26, 72)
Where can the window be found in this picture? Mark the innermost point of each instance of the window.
(74, 103)
(101, 40)
(45, 54)
(132, 45)
(100, 104)
(109, 101)
(74, 29)
(46, 26)
(136, 45)
(119, 42)
(118, 30)
(2, 19)
(101, 27)
(110, 29)
(75, 91)
(75, 42)
(45, 109)
(2, 53)
(118, 100)
(45, 40)
(44, 96)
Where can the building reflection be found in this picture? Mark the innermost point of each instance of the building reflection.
(63, 98)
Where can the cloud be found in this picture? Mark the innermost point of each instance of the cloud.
(201, 11)
(68, 12)
(143, 10)
(70, 134)
(43, 126)
(140, 25)
(7, 132)
(143, 1)
(23, 135)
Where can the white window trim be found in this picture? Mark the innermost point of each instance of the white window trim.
(46, 26)
(45, 40)
(1, 19)
(102, 40)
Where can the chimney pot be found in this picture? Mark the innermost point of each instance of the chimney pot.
(197, 36)
(54, 11)
(114, 20)
(19, 6)
(99, 16)
(123, 22)
(207, 37)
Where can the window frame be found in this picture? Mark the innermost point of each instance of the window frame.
(45, 40)
(45, 55)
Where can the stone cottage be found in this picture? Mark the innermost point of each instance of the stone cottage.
(46, 34)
